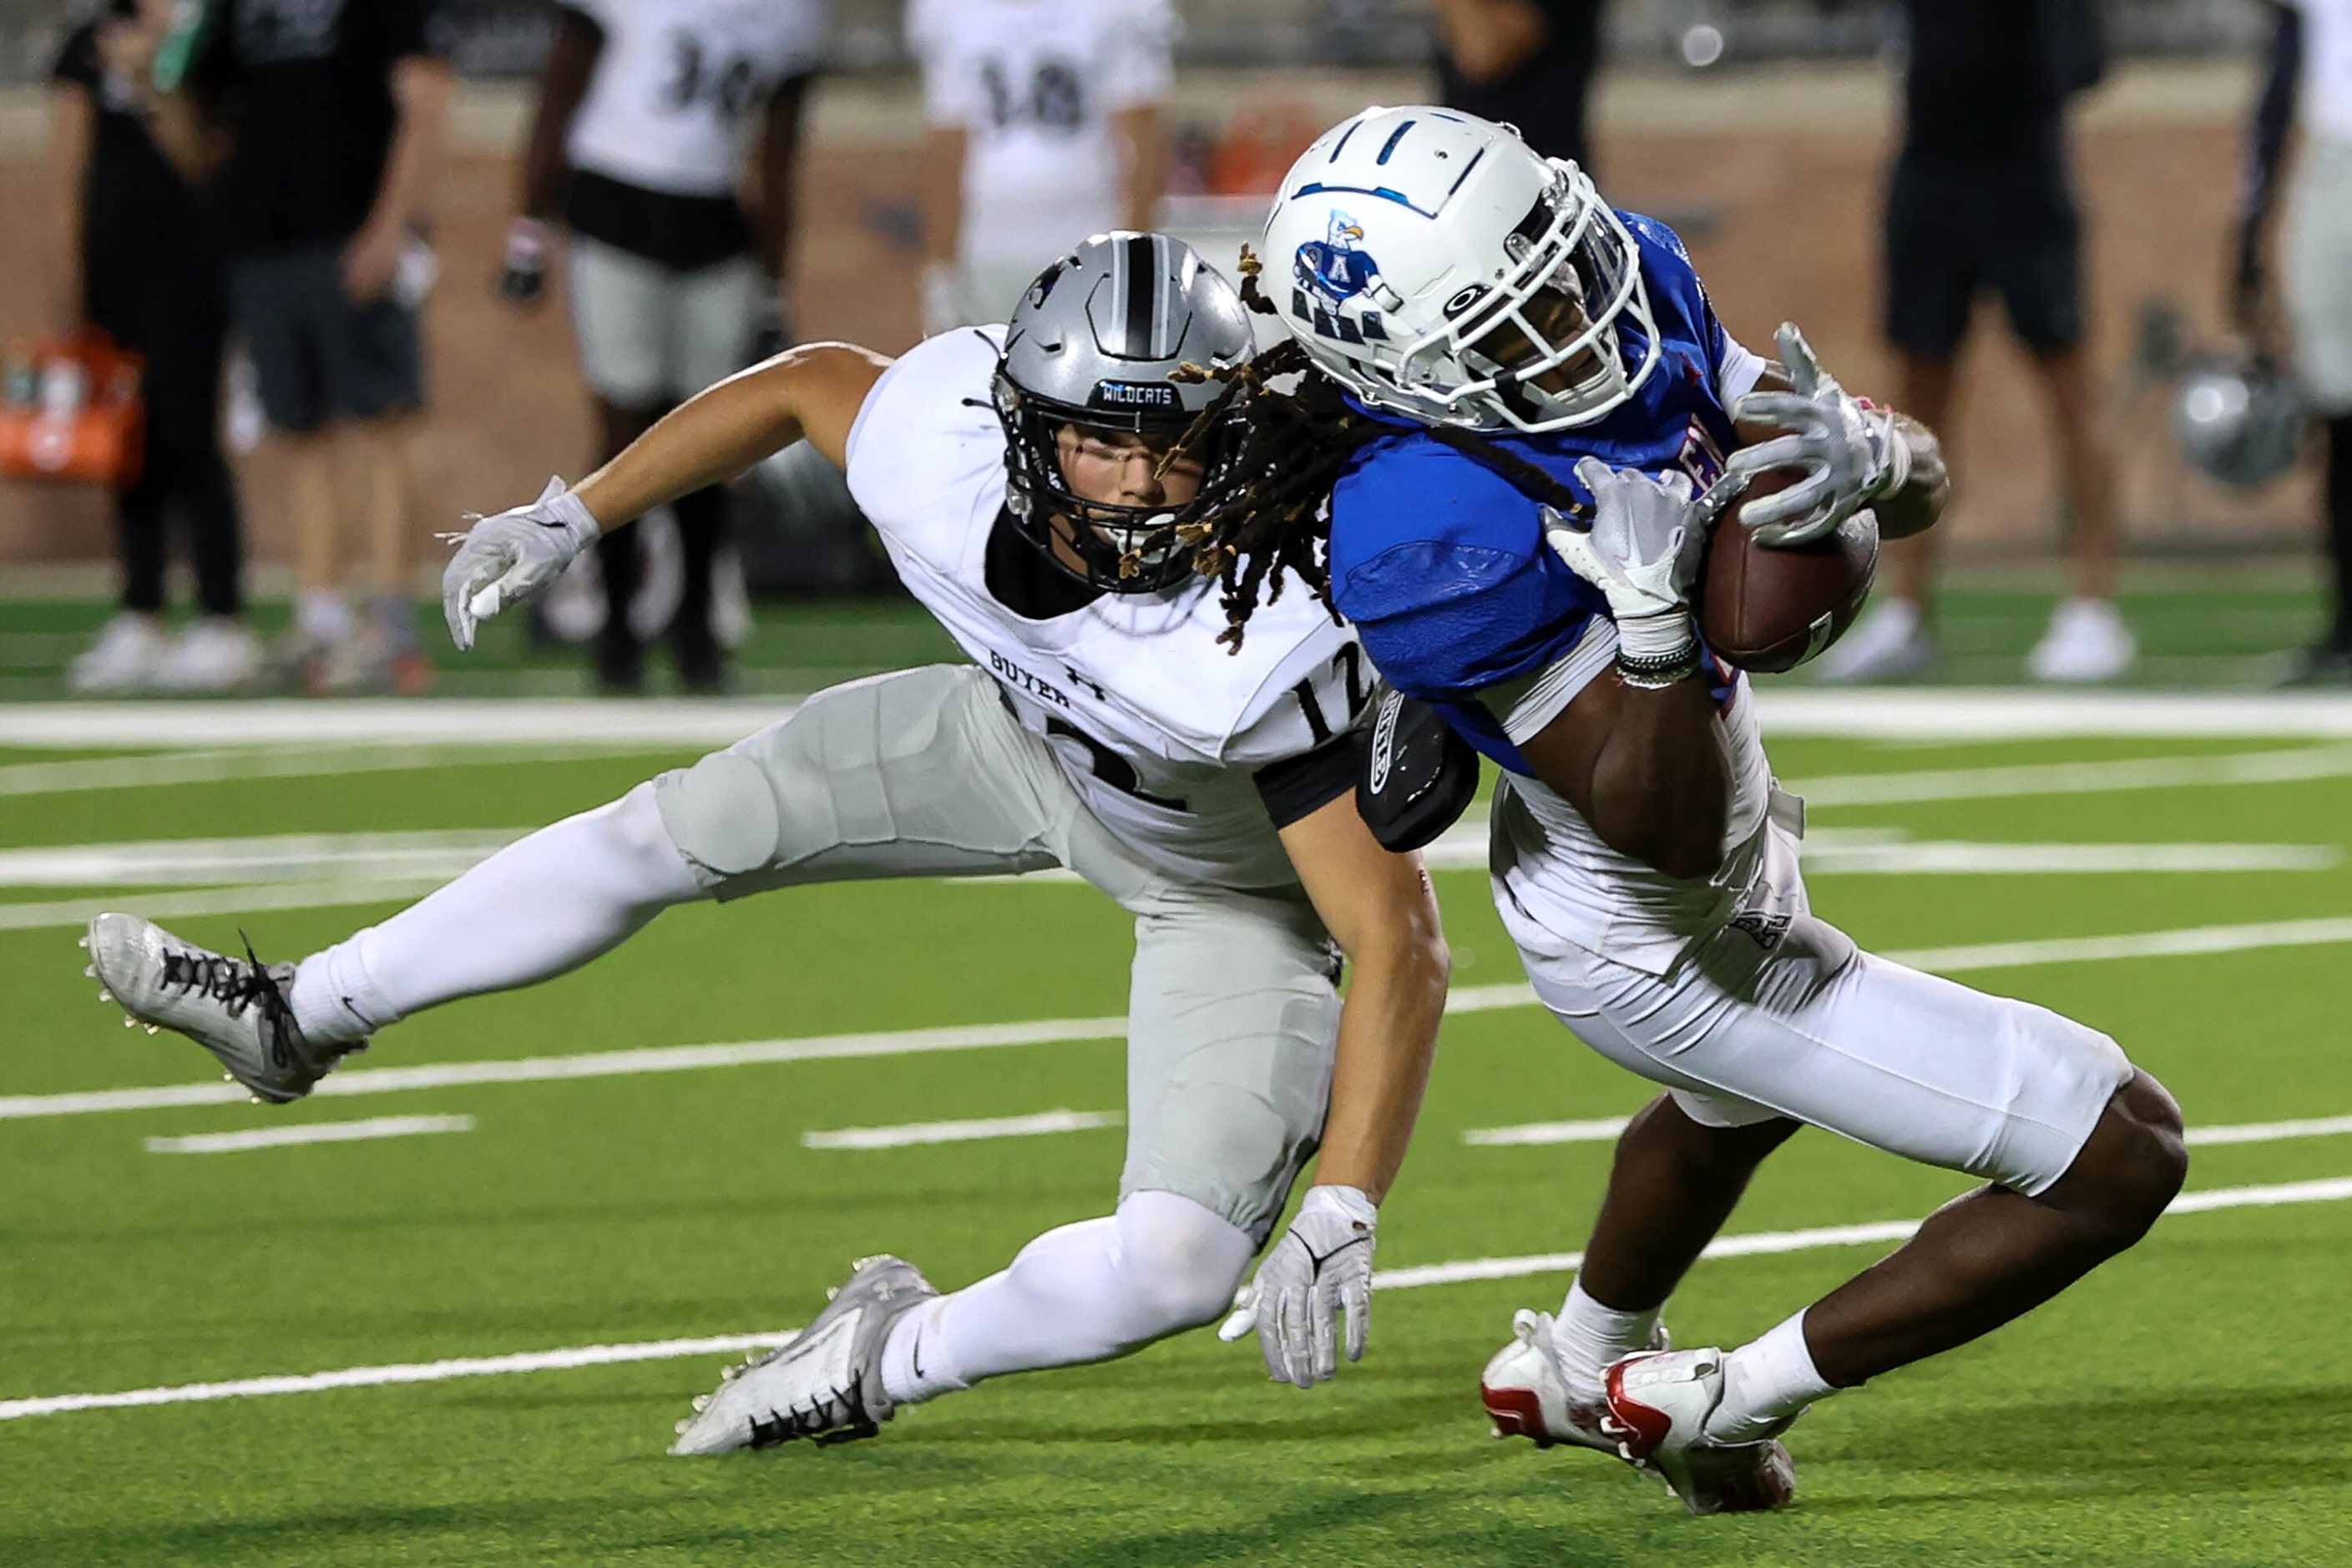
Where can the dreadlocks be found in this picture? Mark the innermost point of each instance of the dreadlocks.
(1274, 519)
(1271, 521)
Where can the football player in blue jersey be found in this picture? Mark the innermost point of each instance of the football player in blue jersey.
(1525, 420)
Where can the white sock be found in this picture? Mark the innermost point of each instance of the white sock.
(540, 908)
(1085, 1292)
(1765, 1382)
(1587, 1336)
(323, 614)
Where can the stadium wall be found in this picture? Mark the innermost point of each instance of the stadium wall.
(1773, 175)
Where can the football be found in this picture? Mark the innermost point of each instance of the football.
(1769, 610)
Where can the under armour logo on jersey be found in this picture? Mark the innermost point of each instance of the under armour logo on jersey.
(1077, 679)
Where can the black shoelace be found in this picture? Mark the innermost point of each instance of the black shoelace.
(236, 984)
(837, 1417)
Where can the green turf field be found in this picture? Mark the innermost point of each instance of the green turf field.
(2190, 1404)
(2210, 626)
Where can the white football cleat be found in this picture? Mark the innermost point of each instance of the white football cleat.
(1526, 1394)
(233, 1007)
(216, 654)
(2087, 642)
(1658, 1404)
(127, 656)
(826, 1384)
(1891, 642)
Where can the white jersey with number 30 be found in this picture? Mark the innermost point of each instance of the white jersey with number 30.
(669, 108)
(1157, 726)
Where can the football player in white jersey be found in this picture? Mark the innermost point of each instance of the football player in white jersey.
(1031, 482)
(649, 110)
(1539, 385)
(1043, 127)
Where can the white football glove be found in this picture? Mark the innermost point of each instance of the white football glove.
(512, 557)
(1851, 456)
(1319, 1271)
(1640, 551)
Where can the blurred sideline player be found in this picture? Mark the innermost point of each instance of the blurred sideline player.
(142, 263)
(1043, 127)
(1981, 201)
(1525, 63)
(645, 112)
(2310, 82)
(333, 115)
(1540, 386)
(1028, 481)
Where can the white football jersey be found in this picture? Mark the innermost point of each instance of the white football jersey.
(1034, 84)
(1158, 727)
(670, 106)
(2325, 98)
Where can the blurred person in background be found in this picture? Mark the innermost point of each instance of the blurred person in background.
(2309, 83)
(1044, 128)
(333, 114)
(1525, 63)
(141, 263)
(1981, 201)
(647, 109)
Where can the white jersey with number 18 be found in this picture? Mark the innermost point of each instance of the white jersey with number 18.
(1158, 727)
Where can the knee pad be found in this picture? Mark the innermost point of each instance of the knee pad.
(720, 813)
(1183, 1262)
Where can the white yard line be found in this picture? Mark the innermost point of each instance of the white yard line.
(2271, 1131)
(2077, 778)
(1962, 714)
(1956, 713)
(1050, 1031)
(1603, 1130)
(251, 898)
(271, 858)
(1463, 847)
(214, 766)
(482, 721)
(2332, 1190)
(914, 1133)
(310, 1132)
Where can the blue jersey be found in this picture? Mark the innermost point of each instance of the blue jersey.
(1440, 562)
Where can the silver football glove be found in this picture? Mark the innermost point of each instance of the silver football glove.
(1320, 1271)
(1640, 551)
(1851, 456)
(512, 557)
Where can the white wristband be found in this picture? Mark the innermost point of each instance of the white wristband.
(1664, 637)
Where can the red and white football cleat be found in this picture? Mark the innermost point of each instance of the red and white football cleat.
(1658, 1406)
(1528, 1395)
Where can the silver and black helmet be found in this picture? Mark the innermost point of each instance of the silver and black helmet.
(2238, 419)
(1095, 342)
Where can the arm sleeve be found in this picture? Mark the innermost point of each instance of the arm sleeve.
(1737, 369)
(1298, 787)
(1138, 65)
(1529, 705)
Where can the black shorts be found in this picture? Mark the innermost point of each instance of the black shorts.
(1952, 232)
(318, 356)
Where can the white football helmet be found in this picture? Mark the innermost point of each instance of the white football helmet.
(1433, 264)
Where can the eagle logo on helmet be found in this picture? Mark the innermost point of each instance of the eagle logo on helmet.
(1330, 274)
